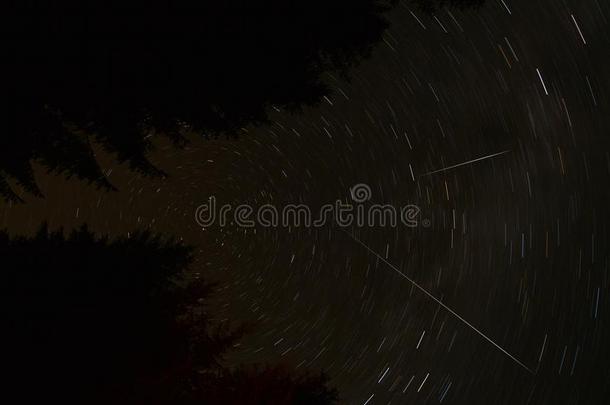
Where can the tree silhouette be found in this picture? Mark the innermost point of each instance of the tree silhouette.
(87, 319)
(430, 6)
(269, 385)
(120, 73)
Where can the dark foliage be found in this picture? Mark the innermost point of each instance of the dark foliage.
(125, 71)
(122, 72)
(434, 5)
(90, 320)
(269, 385)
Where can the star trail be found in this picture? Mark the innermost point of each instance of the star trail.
(495, 122)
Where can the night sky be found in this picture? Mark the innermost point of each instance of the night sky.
(515, 245)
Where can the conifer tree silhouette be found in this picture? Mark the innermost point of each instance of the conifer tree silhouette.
(87, 319)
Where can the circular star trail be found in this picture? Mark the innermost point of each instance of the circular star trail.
(496, 123)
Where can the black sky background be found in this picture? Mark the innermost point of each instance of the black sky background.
(525, 259)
